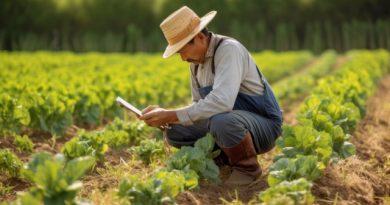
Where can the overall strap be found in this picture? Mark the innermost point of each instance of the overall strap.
(215, 50)
(212, 63)
(194, 75)
(260, 74)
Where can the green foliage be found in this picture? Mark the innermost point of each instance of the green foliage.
(148, 150)
(275, 66)
(55, 179)
(326, 112)
(48, 92)
(313, 25)
(305, 140)
(291, 88)
(182, 173)
(160, 188)
(23, 143)
(10, 164)
(140, 192)
(96, 143)
(288, 169)
(295, 192)
(198, 158)
(176, 181)
(325, 121)
(13, 115)
(86, 144)
(51, 112)
(121, 133)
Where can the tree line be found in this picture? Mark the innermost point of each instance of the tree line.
(133, 25)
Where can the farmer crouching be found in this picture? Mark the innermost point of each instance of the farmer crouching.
(232, 100)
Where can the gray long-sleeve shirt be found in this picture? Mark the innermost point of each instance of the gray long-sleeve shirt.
(235, 71)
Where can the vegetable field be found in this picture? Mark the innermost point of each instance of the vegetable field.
(64, 140)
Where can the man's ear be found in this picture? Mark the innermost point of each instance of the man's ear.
(201, 36)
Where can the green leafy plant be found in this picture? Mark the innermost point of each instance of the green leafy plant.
(326, 113)
(290, 169)
(23, 143)
(86, 144)
(160, 188)
(148, 150)
(13, 115)
(88, 108)
(198, 158)
(304, 140)
(295, 192)
(10, 164)
(56, 180)
(120, 133)
(51, 112)
(140, 192)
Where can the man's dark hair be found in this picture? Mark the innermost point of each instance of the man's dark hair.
(205, 31)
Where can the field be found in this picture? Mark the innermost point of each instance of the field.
(64, 140)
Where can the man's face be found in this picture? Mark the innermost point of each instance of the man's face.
(195, 50)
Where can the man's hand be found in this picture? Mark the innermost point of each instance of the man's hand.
(156, 117)
(149, 108)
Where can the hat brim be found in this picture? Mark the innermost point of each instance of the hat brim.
(172, 49)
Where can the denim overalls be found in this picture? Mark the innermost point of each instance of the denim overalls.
(264, 105)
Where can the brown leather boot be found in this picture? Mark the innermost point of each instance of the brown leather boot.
(243, 159)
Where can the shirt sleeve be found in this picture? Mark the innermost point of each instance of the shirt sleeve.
(229, 72)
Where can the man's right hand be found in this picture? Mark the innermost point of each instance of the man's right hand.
(149, 108)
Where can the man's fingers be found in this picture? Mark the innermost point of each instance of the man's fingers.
(153, 122)
(149, 108)
(148, 116)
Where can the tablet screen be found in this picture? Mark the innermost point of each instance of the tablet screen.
(128, 106)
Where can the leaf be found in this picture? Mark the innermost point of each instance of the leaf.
(205, 143)
(297, 191)
(290, 151)
(76, 168)
(347, 150)
(211, 172)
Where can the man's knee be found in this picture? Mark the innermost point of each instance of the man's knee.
(224, 125)
(177, 137)
(173, 138)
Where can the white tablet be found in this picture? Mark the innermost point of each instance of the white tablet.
(128, 106)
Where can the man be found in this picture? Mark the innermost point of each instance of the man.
(231, 98)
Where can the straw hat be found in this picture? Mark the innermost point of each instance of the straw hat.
(181, 26)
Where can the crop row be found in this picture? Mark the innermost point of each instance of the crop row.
(51, 91)
(326, 120)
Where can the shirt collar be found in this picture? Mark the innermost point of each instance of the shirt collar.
(210, 49)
